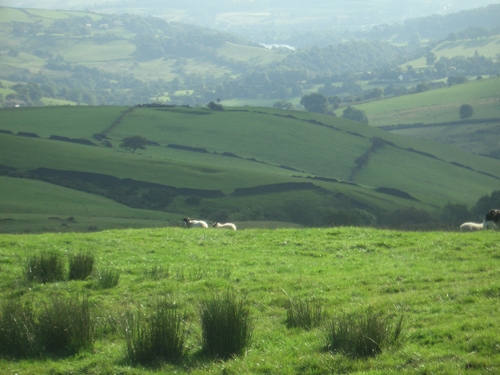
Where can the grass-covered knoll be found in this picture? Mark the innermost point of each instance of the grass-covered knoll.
(202, 161)
(443, 284)
(436, 106)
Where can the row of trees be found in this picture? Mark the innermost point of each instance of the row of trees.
(319, 103)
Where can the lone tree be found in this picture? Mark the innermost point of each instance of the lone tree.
(315, 103)
(465, 111)
(215, 107)
(134, 143)
(355, 114)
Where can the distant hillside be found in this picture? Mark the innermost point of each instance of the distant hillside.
(238, 164)
(94, 58)
(487, 46)
(434, 115)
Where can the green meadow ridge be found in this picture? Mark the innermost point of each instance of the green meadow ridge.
(239, 164)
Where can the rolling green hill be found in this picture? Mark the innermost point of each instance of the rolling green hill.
(437, 106)
(434, 115)
(237, 164)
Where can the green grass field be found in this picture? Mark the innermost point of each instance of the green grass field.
(444, 284)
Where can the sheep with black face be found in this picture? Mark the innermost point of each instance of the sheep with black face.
(492, 219)
(194, 223)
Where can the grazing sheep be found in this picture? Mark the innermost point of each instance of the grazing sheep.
(471, 227)
(194, 223)
(492, 219)
(226, 225)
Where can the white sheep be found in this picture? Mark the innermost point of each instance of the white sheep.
(194, 223)
(471, 227)
(226, 225)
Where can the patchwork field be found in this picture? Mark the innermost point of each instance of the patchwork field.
(242, 164)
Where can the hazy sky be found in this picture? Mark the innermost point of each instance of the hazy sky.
(426, 7)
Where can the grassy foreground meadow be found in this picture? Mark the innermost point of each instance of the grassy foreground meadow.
(444, 285)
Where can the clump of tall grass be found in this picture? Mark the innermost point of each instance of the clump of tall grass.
(59, 327)
(156, 336)
(45, 267)
(304, 314)
(157, 272)
(65, 326)
(225, 324)
(363, 334)
(81, 265)
(17, 330)
(106, 278)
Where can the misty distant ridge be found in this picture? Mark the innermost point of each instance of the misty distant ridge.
(246, 17)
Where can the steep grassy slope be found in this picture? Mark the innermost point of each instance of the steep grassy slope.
(239, 163)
